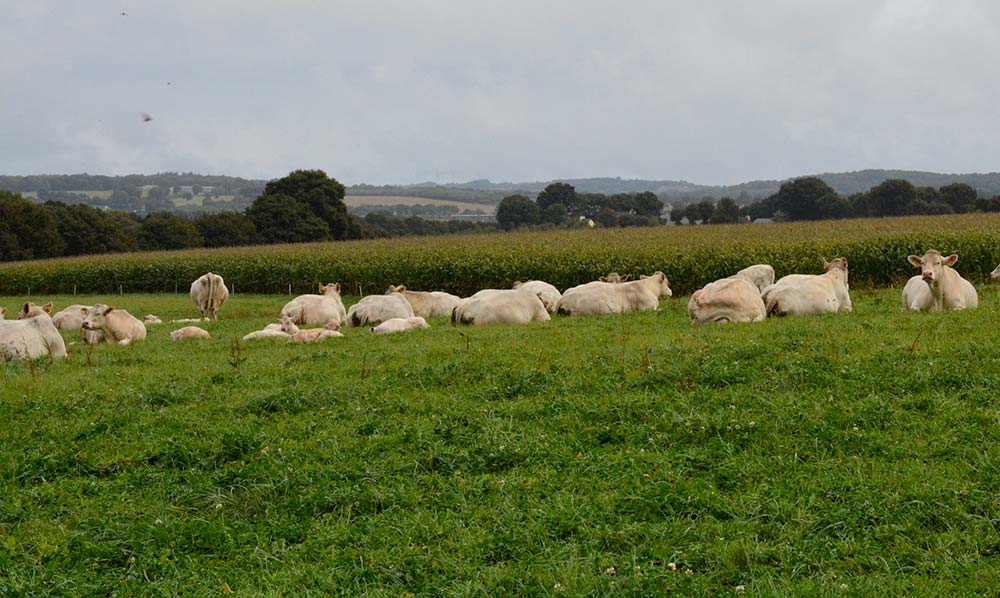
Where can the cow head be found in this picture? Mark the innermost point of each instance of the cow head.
(932, 265)
(332, 325)
(545, 303)
(96, 316)
(840, 263)
(30, 310)
(615, 277)
(331, 289)
(288, 325)
(395, 289)
(663, 285)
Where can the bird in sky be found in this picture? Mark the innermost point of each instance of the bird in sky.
(146, 117)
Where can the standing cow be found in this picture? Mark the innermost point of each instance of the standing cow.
(938, 287)
(209, 292)
(803, 294)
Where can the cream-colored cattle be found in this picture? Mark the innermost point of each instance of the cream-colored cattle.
(995, 274)
(310, 335)
(802, 294)
(598, 298)
(375, 309)
(427, 304)
(151, 319)
(614, 277)
(760, 275)
(209, 292)
(118, 325)
(549, 294)
(269, 331)
(189, 333)
(395, 325)
(496, 306)
(317, 309)
(732, 299)
(30, 310)
(938, 287)
(70, 318)
(30, 338)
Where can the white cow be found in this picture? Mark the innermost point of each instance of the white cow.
(30, 310)
(496, 306)
(549, 294)
(310, 335)
(394, 325)
(189, 333)
(151, 319)
(70, 318)
(317, 309)
(760, 275)
(938, 287)
(433, 304)
(614, 277)
(269, 331)
(209, 292)
(598, 298)
(800, 294)
(375, 309)
(118, 325)
(30, 338)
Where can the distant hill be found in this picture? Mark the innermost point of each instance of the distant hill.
(191, 193)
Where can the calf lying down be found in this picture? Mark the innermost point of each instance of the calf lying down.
(394, 325)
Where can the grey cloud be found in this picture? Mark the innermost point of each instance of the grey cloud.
(380, 92)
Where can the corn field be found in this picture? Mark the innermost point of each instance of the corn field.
(691, 256)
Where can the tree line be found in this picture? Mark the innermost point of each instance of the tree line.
(810, 198)
(559, 204)
(304, 206)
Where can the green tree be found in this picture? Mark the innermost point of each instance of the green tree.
(27, 230)
(227, 229)
(515, 211)
(805, 198)
(726, 212)
(87, 231)
(563, 193)
(556, 214)
(961, 197)
(281, 218)
(163, 230)
(702, 211)
(607, 217)
(891, 197)
(647, 204)
(322, 195)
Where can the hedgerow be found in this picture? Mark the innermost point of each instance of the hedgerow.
(876, 250)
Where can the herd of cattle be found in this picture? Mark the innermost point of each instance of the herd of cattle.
(750, 295)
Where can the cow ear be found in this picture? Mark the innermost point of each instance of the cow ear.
(336, 286)
(843, 260)
(109, 310)
(47, 308)
(626, 277)
(401, 288)
(603, 279)
(914, 260)
(951, 259)
(26, 307)
(641, 277)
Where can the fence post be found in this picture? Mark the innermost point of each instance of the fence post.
(289, 288)
(120, 291)
(74, 289)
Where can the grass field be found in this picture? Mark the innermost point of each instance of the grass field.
(847, 455)
(402, 200)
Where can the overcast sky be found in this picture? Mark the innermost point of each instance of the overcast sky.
(397, 92)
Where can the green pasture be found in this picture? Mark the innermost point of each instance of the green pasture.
(637, 455)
